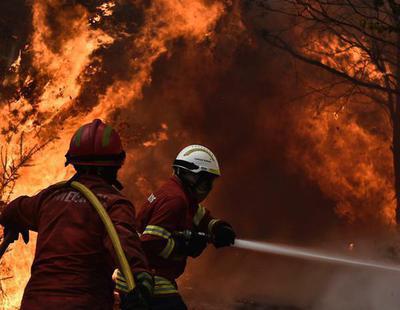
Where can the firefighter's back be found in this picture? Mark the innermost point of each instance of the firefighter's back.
(75, 257)
(70, 262)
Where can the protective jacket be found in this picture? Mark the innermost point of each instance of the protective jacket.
(74, 258)
(168, 210)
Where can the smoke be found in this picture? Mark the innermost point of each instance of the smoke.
(374, 291)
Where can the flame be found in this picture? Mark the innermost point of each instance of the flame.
(62, 63)
(63, 67)
(166, 21)
(343, 56)
(350, 162)
(157, 137)
(351, 165)
(348, 157)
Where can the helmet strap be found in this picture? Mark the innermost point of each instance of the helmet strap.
(190, 186)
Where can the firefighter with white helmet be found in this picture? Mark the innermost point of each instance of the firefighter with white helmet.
(197, 158)
(174, 225)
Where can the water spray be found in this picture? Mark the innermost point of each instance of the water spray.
(280, 249)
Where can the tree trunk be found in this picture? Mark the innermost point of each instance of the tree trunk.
(396, 151)
(396, 162)
(395, 113)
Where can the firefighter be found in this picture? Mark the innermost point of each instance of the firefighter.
(75, 255)
(174, 225)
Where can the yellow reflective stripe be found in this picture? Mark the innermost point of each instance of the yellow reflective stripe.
(147, 280)
(201, 211)
(166, 252)
(211, 224)
(214, 171)
(163, 283)
(120, 282)
(161, 280)
(120, 278)
(165, 291)
(156, 231)
(144, 276)
(164, 286)
(121, 288)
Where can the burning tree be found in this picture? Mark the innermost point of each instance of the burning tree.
(356, 41)
(14, 155)
(64, 63)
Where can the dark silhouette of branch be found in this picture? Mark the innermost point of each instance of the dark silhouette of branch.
(10, 167)
(357, 41)
(282, 44)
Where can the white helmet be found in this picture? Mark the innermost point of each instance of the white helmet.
(197, 158)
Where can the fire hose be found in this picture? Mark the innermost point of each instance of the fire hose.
(123, 262)
(94, 201)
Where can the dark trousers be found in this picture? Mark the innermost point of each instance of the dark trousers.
(168, 302)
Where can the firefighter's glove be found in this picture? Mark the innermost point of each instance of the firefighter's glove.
(12, 234)
(223, 235)
(196, 245)
(190, 243)
(134, 300)
(144, 285)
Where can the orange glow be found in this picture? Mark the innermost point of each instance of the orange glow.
(342, 56)
(61, 65)
(351, 165)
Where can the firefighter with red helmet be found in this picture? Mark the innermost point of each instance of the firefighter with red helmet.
(174, 225)
(86, 229)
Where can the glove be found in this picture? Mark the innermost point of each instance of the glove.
(145, 283)
(133, 300)
(196, 244)
(223, 235)
(12, 234)
(140, 297)
(190, 243)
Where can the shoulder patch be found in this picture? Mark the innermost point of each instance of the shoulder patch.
(151, 198)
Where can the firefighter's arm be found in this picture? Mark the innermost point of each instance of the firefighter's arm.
(21, 215)
(122, 215)
(221, 232)
(158, 238)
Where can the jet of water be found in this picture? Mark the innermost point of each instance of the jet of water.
(303, 253)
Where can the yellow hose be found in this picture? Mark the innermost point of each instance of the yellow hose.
(94, 201)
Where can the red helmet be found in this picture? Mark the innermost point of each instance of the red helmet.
(95, 144)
